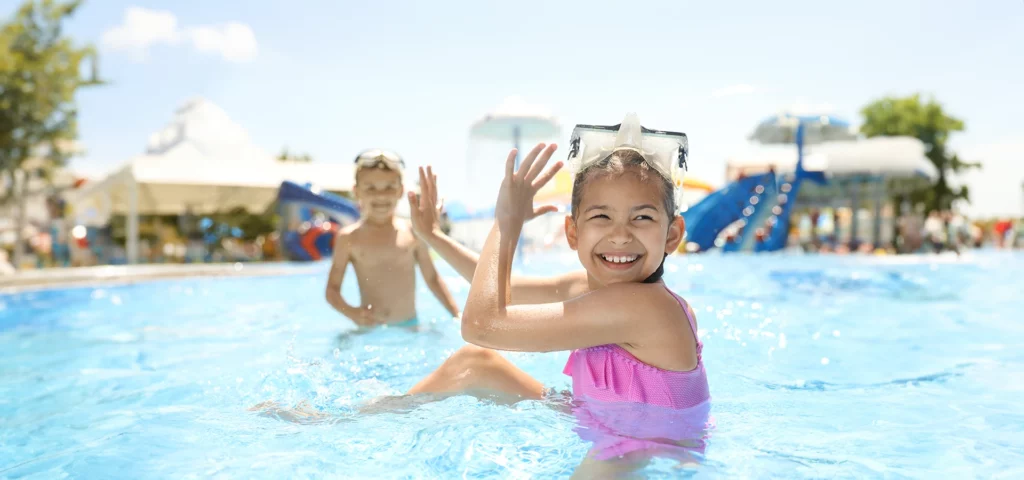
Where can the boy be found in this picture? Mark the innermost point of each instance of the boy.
(383, 250)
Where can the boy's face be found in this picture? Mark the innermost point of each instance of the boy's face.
(378, 191)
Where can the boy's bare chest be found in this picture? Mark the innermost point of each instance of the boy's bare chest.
(385, 250)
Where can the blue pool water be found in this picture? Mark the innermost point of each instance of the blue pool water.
(819, 367)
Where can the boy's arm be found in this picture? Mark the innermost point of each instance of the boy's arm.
(434, 280)
(339, 263)
(525, 290)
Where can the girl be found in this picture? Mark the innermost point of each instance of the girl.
(634, 342)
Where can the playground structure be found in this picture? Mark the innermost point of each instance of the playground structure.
(759, 207)
(310, 219)
(754, 211)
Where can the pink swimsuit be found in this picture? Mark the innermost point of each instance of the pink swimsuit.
(609, 373)
(628, 405)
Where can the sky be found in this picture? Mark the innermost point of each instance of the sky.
(333, 78)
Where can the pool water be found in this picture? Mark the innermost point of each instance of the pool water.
(838, 367)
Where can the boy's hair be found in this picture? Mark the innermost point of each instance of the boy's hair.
(616, 164)
(376, 166)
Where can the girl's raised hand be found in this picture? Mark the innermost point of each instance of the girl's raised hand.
(515, 197)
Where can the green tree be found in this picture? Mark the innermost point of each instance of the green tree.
(286, 156)
(928, 122)
(40, 73)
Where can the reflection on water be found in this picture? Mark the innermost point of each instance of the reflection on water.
(641, 430)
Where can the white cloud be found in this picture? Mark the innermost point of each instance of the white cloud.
(734, 90)
(143, 28)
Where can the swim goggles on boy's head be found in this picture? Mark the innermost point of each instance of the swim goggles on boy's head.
(376, 156)
(666, 152)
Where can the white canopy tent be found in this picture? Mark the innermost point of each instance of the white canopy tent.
(202, 163)
(153, 187)
(894, 157)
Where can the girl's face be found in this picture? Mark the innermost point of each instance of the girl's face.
(622, 231)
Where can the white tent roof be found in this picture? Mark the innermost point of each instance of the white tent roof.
(164, 188)
(889, 156)
(205, 162)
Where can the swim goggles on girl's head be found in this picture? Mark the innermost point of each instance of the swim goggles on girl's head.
(376, 156)
(665, 151)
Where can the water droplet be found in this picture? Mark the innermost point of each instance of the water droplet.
(824, 360)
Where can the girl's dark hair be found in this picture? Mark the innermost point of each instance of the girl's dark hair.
(616, 164)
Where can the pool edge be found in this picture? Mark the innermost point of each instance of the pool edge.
(128, 274)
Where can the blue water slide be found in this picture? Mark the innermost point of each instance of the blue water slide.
(314, 243)
(706, 219)
(779, 235)
(761, 205)
(337, 205)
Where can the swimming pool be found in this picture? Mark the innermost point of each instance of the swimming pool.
(819, 367)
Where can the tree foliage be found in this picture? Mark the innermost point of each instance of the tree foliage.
(928, 122)
(286, 156)
(40, 73)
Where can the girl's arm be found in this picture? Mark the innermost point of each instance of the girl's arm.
(525, 290)
(621, 313)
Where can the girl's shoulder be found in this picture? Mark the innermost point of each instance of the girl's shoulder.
(652, 300)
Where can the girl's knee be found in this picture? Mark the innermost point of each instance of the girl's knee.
(470, 356)
(472, 368)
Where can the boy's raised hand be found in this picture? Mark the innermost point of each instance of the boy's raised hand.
(424, 209)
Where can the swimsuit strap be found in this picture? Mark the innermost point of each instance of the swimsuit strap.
(687, 311)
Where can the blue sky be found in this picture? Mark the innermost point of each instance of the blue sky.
(332, 78)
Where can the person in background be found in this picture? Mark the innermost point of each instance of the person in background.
(383, 250)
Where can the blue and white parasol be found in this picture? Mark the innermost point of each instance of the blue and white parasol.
(787, 127)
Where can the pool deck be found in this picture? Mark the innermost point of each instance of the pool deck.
(125, 274)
